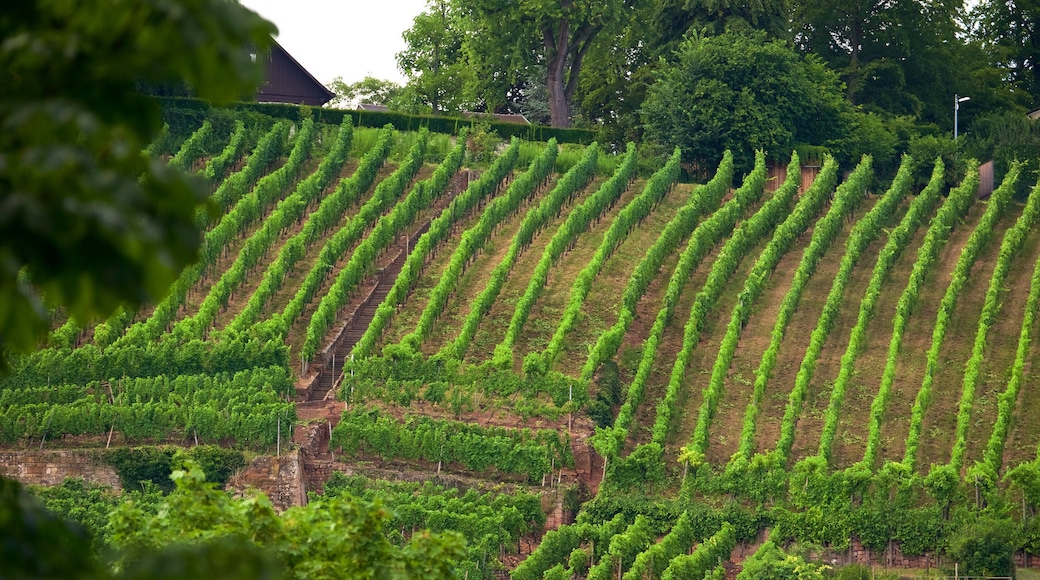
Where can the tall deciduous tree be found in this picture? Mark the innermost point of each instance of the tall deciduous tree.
(1010, 32)
(434, 60)
(901, 57)
(506, 43)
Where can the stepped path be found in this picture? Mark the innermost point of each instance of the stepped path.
(318, 383)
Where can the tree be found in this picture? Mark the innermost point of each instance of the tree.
(896, 57)
(1009, 33)
(743, 92)
(377, 92)
(505, 44)
(434, 60)
(87, 221)
(674, 18)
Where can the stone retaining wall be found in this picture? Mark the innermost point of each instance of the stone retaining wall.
(53, 467)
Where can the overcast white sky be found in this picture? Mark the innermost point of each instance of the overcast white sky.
(347, 38)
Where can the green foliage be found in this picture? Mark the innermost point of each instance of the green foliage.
(31, 534)
(91, 222)
(135, 466)
(244, 407)
(984, 548)
(383, 234)
(138, 466)
(742, 92)
(289, 210)
(865, 230)
(653, 561)
(474, 239)
(578, 221)
(907, 304)
(623, 549)
(490, 522)
(709, 555)
(192, 148)
(703, 238)
(771, 562)
(247, 208)
(657, 186)
(534, 220)
(197, 514)
(532, 454)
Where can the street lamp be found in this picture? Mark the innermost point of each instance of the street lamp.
(956, 107)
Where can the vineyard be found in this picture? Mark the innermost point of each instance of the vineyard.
(682, 367)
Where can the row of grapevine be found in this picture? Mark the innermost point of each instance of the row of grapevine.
(709, 233)
(678, 229)
(213, 407)
(659, 184)
(623, 549)
(994, 455)
(109, 330)
(384, 197)
(784, 236)
(907, 304)
(167, 357)
(246, 210)
(263, 382)
(535, 219)
(980, 236)
(474, 238)
(854, 248)
(192, 148)
(935, 238)
(706, 558)
(532, 454)
(578, 220)
(440, 228)
(288, 210)
(490, 522)
(744, 238)
(329, 213)
(252, 425)
(824, 234)
(651, 563)
(382, 235)
(267, 150)
(1009, 248)
(564, 544)
(218, 165)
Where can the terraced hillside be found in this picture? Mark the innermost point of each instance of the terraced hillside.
(844, 364)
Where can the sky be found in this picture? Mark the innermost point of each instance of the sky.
(347, 38)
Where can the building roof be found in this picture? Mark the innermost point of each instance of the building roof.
(286, 81)
(373, 107)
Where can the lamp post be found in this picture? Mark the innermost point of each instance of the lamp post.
(957, 100)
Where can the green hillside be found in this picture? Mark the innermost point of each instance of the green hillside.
(678, 364)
